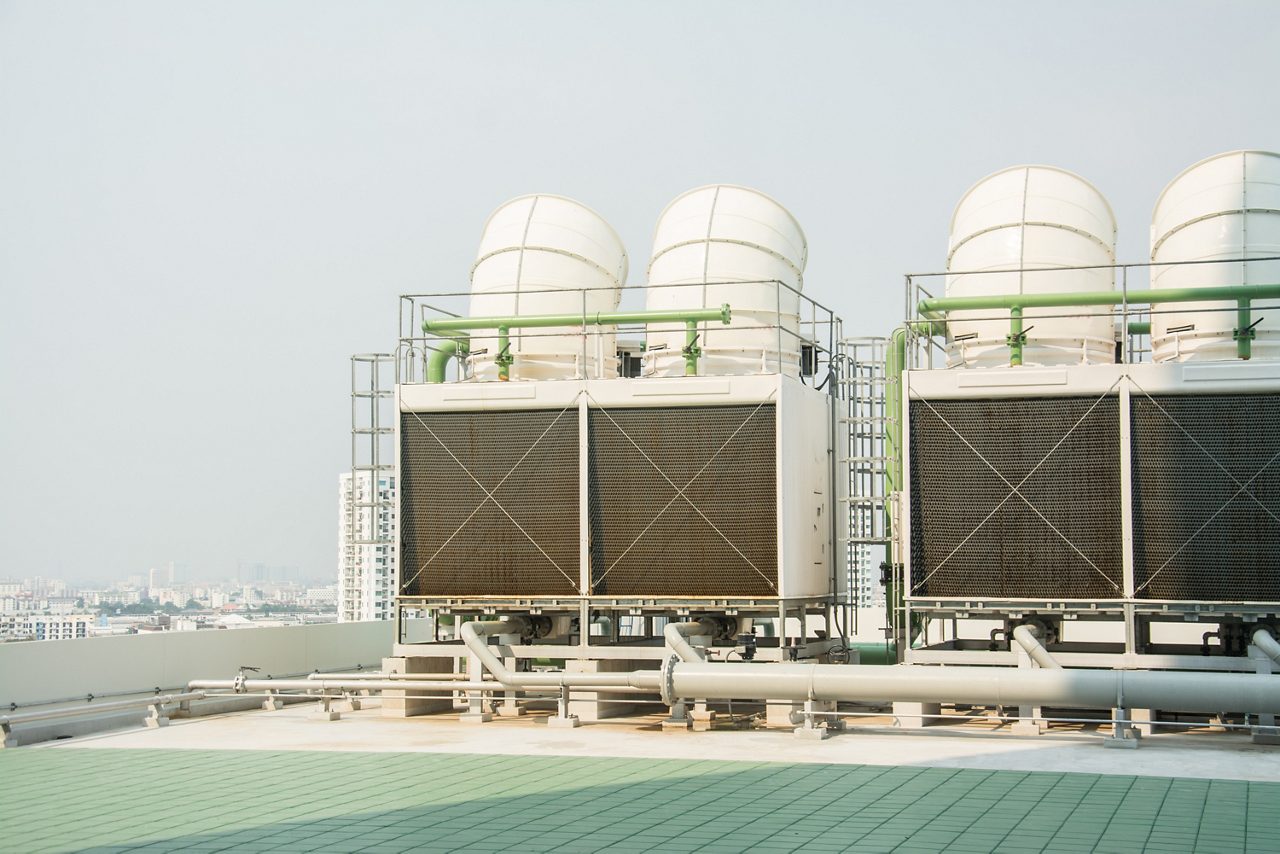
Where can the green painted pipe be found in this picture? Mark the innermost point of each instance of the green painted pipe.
(1016, 337)
(690, 318)
(1244, 331)
(532, 321)
(1062, 300)
(445, 349)
(691, 349)
(504, 358)
(895, 365)
(1139, 327)
(1243, 295)
(882, 652)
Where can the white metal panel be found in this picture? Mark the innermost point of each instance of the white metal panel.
(1224, 207)
(1034, 218)
(1165, 378)
(725, 244)
(546, 254)
(806, 553)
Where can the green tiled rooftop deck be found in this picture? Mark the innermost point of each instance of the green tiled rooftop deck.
(224, 800)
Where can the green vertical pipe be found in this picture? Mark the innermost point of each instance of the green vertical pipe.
(1244, 334)
(894, 365)
(1016, 337)
(504, 359)
(691, 349)
(445, 349)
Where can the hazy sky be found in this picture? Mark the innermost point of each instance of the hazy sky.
(205, 208)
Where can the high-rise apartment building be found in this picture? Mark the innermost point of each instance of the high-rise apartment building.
(367, 572)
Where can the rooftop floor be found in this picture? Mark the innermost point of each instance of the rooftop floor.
(278, 781)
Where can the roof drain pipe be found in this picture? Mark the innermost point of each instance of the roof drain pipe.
(677, 636)
(475, 635)
(1028, 637)
(1263, 640)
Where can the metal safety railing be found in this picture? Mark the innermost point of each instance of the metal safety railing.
(434, 327)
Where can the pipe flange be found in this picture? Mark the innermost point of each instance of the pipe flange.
(667, 685)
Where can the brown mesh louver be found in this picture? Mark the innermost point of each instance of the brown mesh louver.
(683, 501)
(1057, 536)
(1206, 497)
(489, 503)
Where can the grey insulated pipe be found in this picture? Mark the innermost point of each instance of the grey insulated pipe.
(1028, 637)
(1093, 689)
(1263, 640)
(677, 636)
(476, 637)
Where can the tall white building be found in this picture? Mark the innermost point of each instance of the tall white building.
(864, 573)
(367, 572)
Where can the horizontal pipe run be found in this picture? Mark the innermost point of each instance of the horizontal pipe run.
(407, 677)
(475, 636)
(99, 708)
(722, 314)
(1090, 298)
(252, 686)
(1028, 637)
(1076, 688)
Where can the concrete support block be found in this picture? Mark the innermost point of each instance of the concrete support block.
(395, 704)
(1265, 734)
(816, 733)
(781, 713)
(564, 722)
(912, 715)
(1127, 738)
(325, 712)
(703, 719)
(1144, 720)
(678, 720)
(475, 717)
(10, 740)
(272, 703)
(1027, 723)
(156, 717)
(591, 706)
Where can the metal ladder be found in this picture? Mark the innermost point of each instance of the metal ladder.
(864, 381)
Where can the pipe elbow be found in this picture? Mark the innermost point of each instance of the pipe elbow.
(677, 637)
(1028, 637)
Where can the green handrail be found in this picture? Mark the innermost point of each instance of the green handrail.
(1242, 295)
(689, 317)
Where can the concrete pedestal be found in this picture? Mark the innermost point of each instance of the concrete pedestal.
(395, 704)
(590, 706)
(912, 715)
(780, 713)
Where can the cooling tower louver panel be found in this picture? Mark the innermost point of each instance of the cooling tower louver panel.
(489, 503)
(683, 501)
(1206, 497)
(1016, 498)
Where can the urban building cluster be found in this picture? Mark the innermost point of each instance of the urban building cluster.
(55, 609)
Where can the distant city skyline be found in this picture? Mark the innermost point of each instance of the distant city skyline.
(205, 209)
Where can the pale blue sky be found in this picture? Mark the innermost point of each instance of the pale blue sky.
(205, 208)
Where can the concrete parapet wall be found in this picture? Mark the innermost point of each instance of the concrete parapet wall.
(34, 672)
